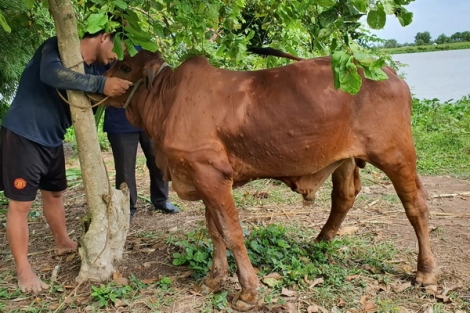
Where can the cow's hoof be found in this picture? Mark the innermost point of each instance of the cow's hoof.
(205, 290)
(428, 281)
(242, 306)
(244, 301)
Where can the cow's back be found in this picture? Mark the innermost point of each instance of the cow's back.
(284, 121)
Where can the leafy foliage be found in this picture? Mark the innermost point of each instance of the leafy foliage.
(106, 294)
(28, 30)
(294, 256)
(221, 30)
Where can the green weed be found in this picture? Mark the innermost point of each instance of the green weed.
(106, 294)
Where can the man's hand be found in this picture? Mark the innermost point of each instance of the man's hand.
(114, 86)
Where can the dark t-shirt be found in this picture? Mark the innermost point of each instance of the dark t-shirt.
(37, 113)
(115, 122)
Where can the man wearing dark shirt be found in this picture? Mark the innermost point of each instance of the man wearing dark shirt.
(32, 155)
(124, 139)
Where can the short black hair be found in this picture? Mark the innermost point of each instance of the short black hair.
(100, 32)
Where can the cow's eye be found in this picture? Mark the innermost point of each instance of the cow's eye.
(125, 69)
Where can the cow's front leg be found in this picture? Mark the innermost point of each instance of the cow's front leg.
(215, 187)
(219, 269)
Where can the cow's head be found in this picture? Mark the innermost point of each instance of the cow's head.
(141, 68)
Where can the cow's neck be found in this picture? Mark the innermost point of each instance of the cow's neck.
(149, 108)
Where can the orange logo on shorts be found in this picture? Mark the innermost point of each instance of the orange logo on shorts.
(19, 183)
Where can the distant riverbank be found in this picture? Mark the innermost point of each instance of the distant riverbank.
(427, 48)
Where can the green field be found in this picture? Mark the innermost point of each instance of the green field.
(427, 48)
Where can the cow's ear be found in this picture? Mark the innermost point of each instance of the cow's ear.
(149, 73)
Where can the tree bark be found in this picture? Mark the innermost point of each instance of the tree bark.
(108, 217)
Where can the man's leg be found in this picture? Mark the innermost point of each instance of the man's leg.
(158, 187)
(124, 147)
(53, 206)
(18, 238)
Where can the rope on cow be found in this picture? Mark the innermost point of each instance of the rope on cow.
(79, 106)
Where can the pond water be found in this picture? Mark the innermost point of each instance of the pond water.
(444, 75)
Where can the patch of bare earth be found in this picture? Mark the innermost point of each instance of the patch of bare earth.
(148, 255)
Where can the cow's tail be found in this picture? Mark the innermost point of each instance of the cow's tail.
(274, 52)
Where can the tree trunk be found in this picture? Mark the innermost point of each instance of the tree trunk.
(105, 233)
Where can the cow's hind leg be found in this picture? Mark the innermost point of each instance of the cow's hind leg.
(413, 195)
(346, 185)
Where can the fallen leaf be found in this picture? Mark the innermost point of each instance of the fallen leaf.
(147, 250)
(118, 279)
(270, 282)
(313, 309)
(341, 303)
(367, 306)
(150, 280)
(451, 288)
(288, 293)
(290, 307)
(70, 257)
(186, 274)
(351, 277)
(173, 229)
(119, 303)
(348, 230)
(407, 269)
(401, 287)
(316, 281)
(275, 276)
(316, 308)
(444, 298)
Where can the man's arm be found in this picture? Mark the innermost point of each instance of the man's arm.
(55, 74)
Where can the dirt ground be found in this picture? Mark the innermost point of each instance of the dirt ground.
(148, 256)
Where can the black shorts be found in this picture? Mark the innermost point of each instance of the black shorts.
(27, 166)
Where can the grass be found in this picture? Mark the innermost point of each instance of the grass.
(427, 48)
(442, 136)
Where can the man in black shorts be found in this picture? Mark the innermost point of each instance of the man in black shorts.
(31, 142)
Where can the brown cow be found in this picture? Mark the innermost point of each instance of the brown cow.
(215, 129)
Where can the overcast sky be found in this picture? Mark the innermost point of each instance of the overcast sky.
(435, 16)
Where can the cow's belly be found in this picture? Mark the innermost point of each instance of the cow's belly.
(184, 187)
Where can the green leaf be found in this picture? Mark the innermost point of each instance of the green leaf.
(326, 3)
(360, 5)
(350, 81)
(29, 4)
(130, 47)
(405, 17)
(375, 74)
(4, 24)
(120, 4)
(96, 22)
(336, 63)
(118, 48)
(376, 19)
(389, 6)
(149, 45)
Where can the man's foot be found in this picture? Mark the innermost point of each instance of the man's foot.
(65, 247)
(29, 282)
(166, 207)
